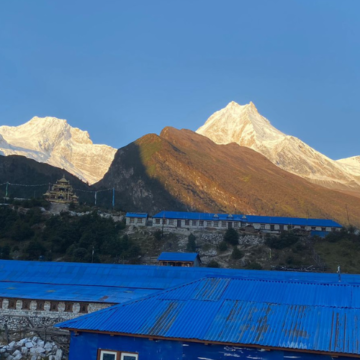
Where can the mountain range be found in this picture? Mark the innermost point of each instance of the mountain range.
(244, 126)
(236, 162)
(53, 141)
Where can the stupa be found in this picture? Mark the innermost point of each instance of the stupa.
(62, 192)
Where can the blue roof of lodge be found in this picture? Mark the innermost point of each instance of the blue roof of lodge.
(96, 294)
(273, 313)
(247, 218)
(175, 256)
(136, 215)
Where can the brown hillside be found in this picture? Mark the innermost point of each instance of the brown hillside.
(181, 170)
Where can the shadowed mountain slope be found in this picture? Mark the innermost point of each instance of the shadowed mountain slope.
(21, 170)
(181, 170)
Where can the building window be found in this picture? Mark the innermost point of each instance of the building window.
(194, 223)
(132, 220)
(40, 305)
(53, 306)
(201, 223)
(26, 304)
(262, 226)
(164, 221)
(332, 229)
(208, 223)
(323, 229)
(171, 222)
(223, 223)
(117, 355)
(187, 222)
(302, 227)
(313, 228)
(68, 307)
(236, 224)
(139, 221)
(108, 355)
(157, 221)
(216, 224)
(12, 304)
(129, 356)
(83, 307)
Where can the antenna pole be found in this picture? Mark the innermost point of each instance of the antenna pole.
(95, 196)
(113, 199)
(6, 192)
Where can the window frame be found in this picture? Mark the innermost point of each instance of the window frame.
(123, 354)
(119, 355)
(104, 352)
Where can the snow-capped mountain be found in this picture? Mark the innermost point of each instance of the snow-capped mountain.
(55, 142)
(351, 164)
(246, 127)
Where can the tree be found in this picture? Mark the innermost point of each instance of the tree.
(213, 264)
(231, 236)
(34, 250)
(191, 245)
(223, 246)
(237, 254)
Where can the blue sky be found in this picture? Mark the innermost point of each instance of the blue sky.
(122, 69)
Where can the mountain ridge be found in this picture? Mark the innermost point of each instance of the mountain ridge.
(53, 141)
(245, 126)
(182, 170)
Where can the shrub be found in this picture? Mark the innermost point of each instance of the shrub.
(34, 250)
(158, 235)
(213, 264)
(286, 239)
(236, 254)
(191, 245)
(223, 246)
(254, 266)
(231, 236)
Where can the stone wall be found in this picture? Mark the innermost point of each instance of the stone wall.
(18, 316)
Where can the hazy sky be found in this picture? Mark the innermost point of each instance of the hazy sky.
(121, 69)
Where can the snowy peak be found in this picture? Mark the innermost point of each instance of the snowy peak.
(241, 124)
(54, 141)
(244, 125)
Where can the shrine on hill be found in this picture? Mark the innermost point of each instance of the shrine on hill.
(62, 192)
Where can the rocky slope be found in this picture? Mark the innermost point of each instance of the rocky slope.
(181, 170)
(53, 141)
(245, 126)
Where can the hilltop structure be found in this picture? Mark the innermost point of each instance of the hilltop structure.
(62, 192)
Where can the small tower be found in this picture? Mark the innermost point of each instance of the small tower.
(61, 192)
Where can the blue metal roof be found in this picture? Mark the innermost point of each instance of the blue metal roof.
(139, 276)
(197, 216)
(247, 219)
(279, 314)
(97, 294)
(176, 256)
(136, 215)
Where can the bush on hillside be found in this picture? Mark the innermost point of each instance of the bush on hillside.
(231, 236)
(223, 246)
(285, 239)
(237, 254)
(213, 264)
(191, 244)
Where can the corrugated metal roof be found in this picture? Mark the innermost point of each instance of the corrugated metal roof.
(282, 314)
(139, 276)
(101, 294)
(176, 256)
(136, 215)
(247, 219)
